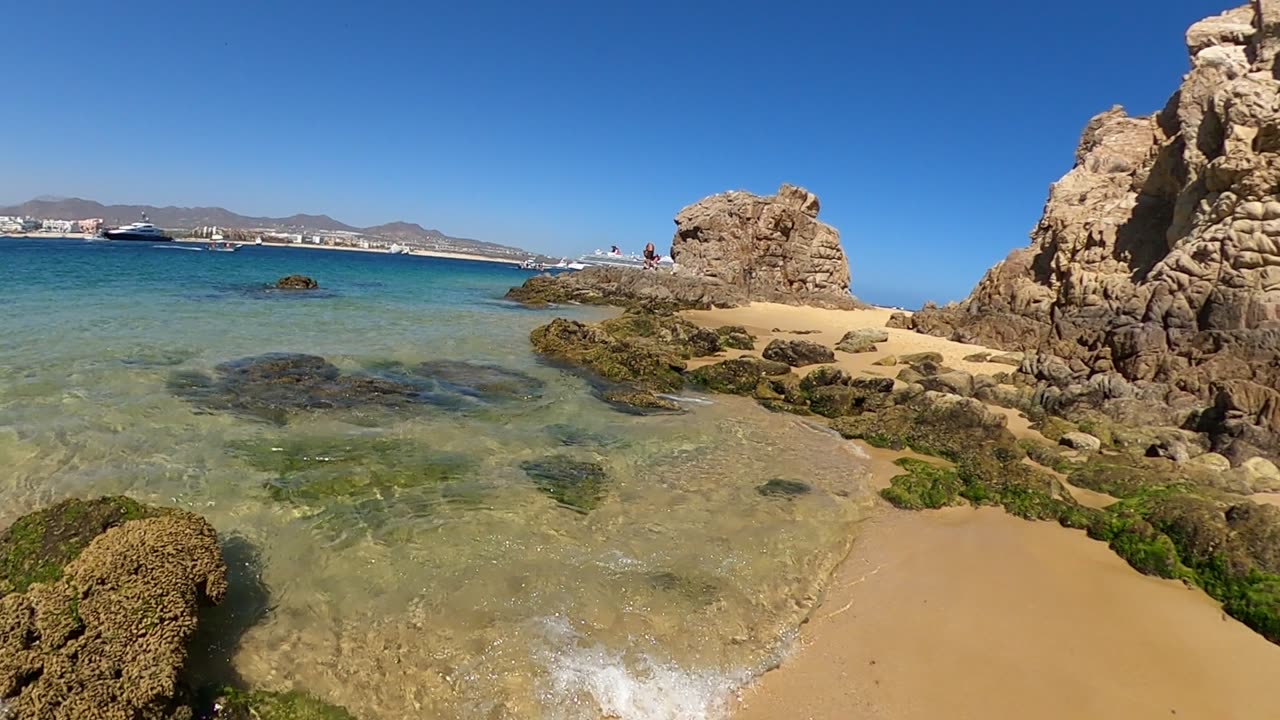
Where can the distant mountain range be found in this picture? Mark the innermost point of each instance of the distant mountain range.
(55, 208)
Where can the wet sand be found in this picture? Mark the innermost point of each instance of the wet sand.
(965, 613)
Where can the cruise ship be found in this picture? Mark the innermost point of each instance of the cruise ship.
(137, 231)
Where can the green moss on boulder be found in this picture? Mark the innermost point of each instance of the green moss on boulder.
(38, 546)
(923, 485)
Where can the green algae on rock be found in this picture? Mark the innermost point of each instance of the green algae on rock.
(310, 470)
(38, 546)
(576, 484)
(108, 631)
(263, 705)
(737, 376)
(923, 485)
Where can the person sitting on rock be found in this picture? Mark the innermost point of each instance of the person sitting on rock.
(650, 257)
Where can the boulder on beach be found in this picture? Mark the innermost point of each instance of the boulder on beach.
(98, 600)
(862, 340)
(798, 353)
(296, 282)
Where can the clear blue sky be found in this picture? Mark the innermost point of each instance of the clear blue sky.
(930, 130)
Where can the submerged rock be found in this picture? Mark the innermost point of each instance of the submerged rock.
(452, 383)
(234, 704)
(100, 600)
(798, 353)
(574, 436)
(576, 484)
(296, 282)
(272, 386)
(779, 488)
(313, 471)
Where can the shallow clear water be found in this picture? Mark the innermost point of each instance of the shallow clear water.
(469, 595)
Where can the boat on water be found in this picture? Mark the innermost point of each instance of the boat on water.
(398, 249)
(562, 266)
(222, 247)
(616, 258)
(137, 231)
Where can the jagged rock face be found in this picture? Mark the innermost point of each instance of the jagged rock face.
(768, 245)
(1158, 254)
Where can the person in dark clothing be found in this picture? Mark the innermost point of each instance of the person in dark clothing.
(650, 257)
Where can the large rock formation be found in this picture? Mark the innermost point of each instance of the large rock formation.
(730, 249)
(1158, 255)
(767, 245)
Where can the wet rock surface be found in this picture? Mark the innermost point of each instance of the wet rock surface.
(101, 599)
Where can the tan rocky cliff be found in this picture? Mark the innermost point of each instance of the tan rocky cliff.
(1158, 254)
(769, 246)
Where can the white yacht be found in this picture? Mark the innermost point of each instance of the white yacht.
(616, 258)
(137, 231)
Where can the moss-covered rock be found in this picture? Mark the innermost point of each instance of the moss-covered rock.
(635, 361)
(640, 402)
(1053, 428)
(105, 634)
(737, 376)
(923, 485)
(38, 546)
(296, 282)
(736, 337)
(798, 353)
(576, 484)
(263, 705)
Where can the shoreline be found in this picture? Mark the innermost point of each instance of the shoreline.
(204, 241)
(998, 617)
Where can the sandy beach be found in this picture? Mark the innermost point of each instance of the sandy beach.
(964, 613)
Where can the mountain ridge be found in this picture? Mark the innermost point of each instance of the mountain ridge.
(171, 216)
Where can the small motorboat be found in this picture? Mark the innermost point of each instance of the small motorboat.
(222, 247)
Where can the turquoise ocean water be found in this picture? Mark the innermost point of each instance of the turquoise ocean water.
(430, 576)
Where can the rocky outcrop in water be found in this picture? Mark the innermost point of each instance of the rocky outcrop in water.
(296, 282)
(730, 249)
(98, 600)
(1158, 255)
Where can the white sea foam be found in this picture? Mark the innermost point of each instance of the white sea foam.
(590, 682)
(686, 399)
